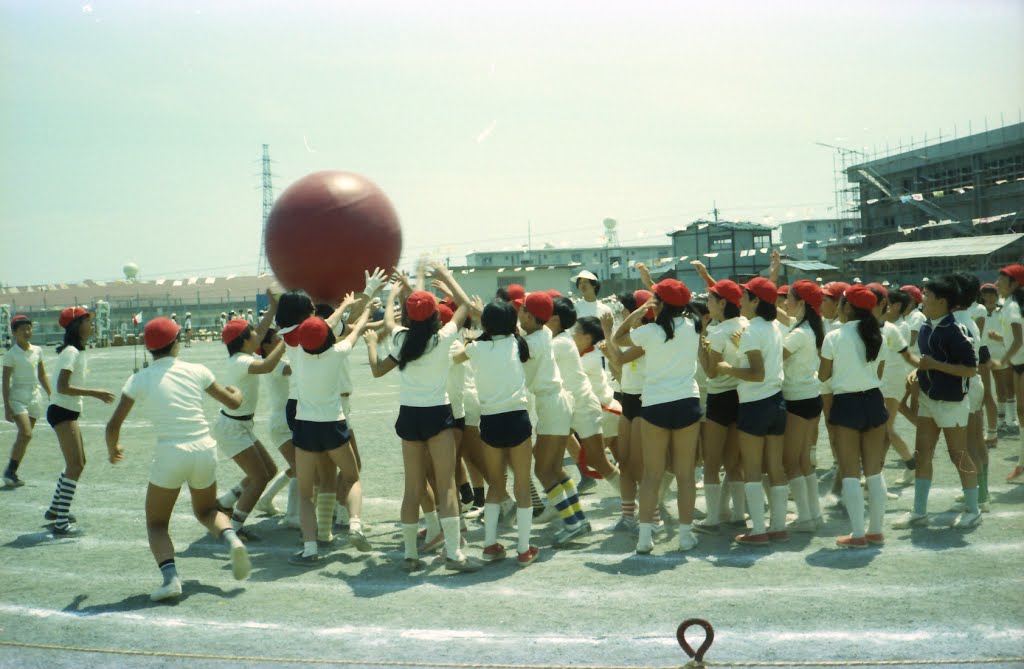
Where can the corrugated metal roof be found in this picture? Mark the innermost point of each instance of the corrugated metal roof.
(960, 246)
(808, 265)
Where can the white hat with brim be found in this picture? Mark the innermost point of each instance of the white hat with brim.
(585, 275)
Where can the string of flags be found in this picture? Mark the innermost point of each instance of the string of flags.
(974, 221)
(919, 197)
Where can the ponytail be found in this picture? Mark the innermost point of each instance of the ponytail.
(500, 319)
(870, 332)
(524, 348)
(667, 315)
(813, 319)
(417, 338)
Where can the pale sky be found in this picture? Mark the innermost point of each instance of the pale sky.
(131, 129)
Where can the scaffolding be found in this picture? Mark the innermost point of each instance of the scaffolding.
(262, 266)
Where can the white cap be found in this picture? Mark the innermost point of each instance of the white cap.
(584, 274)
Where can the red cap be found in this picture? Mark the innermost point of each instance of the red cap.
(874, 285)
(835, 290)
(540, 305)
(554, 293)
(729, 291)
(515, 291)
(783, 290)
(641, 297)
(444, 313)
(70, 314)
(420, 306)
(809, 292)
(861, 297)
(233, 329)
(20, 319)
(987, 287)
(763, 289)
(1015, 272)
(160, 332)
(449, 302)
(673, 292)
(914, 292)
(312, 333)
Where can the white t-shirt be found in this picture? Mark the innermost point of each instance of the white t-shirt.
(595, 308)
(542, 376)
(567, 357)
(73, 359)
(1009, 315)
(801, 367)
(318, 382)
(719, 338)
(593, 367)
(425, 379)
(915, 319)
(830, 324)
(894, 340)
(456, 385)
(278, 391)
(170, 394)
(24, 367)
(238, 375)
(993, 323)
(851, 371)
(188, 323)
(671, 363)
(765, 337)
(500, 378)
(633, 375)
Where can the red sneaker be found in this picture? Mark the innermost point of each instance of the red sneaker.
(875, 539)
(754, 539)
(782, 536)
(493, 553)
(529, 556)
(850, 541)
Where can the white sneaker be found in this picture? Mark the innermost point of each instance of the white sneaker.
(891, 495)
(907, 478)
(984, 506)
(959, 498)
(687, 541)
(240, 564)
(967, 520)
(549, 514)
(170, 591)
(658, 528)
(909, 520)
(292, 522)
(644, 548)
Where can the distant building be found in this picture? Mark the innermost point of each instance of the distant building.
(910, 262)
(810, 239)
(730, 250)
(485, 281)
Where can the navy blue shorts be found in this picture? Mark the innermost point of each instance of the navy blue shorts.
(1018, 369)
(723, 407)
(423, 423)
(673, 415)
(289, 413)
(460, 423)
(763, 418)
(861, 411)
(806, 409)
(506, 430)
(316, 437)
(55, 415)
(631, 405)
(984, 355)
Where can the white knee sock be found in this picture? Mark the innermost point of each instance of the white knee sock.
(433, 524)
(755, 506)
(524, 523)
(799, 490)
(778, 495)
(813, 501)
(876, 503)
(409, 531)
(737, 491)
(853, 500)
(713, 502)
(491, 513)
(451, 529)
(293, 499)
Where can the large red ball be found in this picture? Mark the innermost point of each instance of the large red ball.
(326, 229)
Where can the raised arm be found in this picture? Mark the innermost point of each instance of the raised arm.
(373, 283)
(268, 316)
(774, 267)
(269, 363)
(645, 274)
(377, 367)
(358, 326)
(702, 272)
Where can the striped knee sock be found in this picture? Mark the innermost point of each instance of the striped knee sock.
(56, 493)
(168, 570)
(67, 493)
(535, 499)
(573, 497)
(324, 516)
(556, 497)
(629, 509)
(238, 518)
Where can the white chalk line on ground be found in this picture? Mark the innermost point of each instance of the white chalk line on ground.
(380, 635)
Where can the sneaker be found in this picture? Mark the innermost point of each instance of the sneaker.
(827, 476)
(706, 528)
(12, 481)
(548, 515)
(434, 543)
(984, 507)
(300, 560)
(658, 528)
(644, 548)
(326, 543)
(906, 478)
(910, 520)
(687, 541)
(52, 516)
(170, 591)
(567, 534)
(967, 520)
(782, 536)
(267, 508)
(803, 526)
(1013, 430)
(850, 541)
(241, 567)
(891, 495)
(959, 499)
(626, 526)
(70, 530)
(663, 510)
(528, 556)
(226, 510)
(1017, 472)
(875, 539)
(247, 535)
(409, 565)
(466, 565)
(585, 485)
(754, 539)
(359, 540)
(493, 553)
(474, 512)
(292, 521)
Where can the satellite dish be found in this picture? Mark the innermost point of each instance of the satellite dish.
(131, 271)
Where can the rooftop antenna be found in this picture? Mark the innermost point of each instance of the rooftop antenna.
(268, 204)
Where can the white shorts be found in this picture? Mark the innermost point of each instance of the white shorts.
(194, 463)
(976, 394)
(587, 416)
(31, 403)
(554, 414)
(279, 434)
(894, 389)
(610, 419)
(945, 414)
(233, 436)
(471, 404)
(826, 387)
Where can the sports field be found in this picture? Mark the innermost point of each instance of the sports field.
(930, 594)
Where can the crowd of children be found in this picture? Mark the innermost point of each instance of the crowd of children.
(727, 392)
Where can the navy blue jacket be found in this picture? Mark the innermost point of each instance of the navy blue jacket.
(947, 342)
